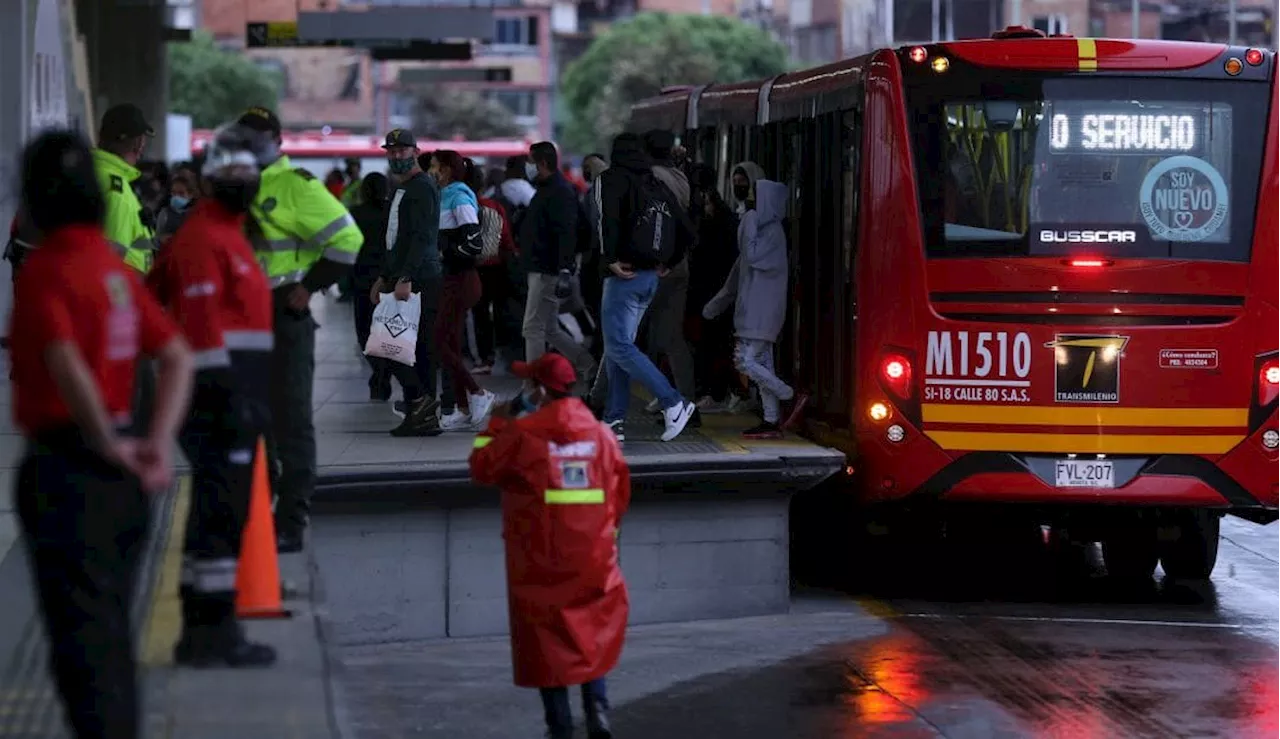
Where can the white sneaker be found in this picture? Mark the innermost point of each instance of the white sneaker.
(676, 418)
(481, 406)
(456, 421)
(653, 407)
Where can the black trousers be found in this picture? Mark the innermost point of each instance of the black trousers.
(423, 378)
(220, 441)
(84, 526)
(496, 326)
(292, 441)
(362, 311)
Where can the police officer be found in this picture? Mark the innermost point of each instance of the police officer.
(306, 241)
(80, 321)
(208, 279)
(122, 138)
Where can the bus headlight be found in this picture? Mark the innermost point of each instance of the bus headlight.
(895, 433)
(878, 411)
(1271, 439)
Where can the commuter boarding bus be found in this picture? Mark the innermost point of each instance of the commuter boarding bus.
(1030, 271)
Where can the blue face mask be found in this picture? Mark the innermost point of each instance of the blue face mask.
(177, 202)
(400, 166)
(530, 170)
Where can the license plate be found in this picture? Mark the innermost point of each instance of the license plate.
(1078, 473)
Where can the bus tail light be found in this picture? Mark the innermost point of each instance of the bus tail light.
(918, 54)
(1254, 57)
(1088, 263)
(1268, 381)
(896, 371)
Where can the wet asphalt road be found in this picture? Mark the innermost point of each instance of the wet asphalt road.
(1031, 647)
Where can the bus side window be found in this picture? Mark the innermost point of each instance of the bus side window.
(706, 146)
(852, 176)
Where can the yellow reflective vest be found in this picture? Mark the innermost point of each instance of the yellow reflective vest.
(351, 196)
(299, 222)
(132, 240)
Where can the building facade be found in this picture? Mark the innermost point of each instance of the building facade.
(345, 89)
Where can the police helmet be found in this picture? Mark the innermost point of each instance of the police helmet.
(237, 151)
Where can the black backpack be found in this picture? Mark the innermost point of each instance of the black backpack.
(658, 217)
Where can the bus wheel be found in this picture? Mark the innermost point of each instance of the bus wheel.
(1131, 552)
(1194, 552)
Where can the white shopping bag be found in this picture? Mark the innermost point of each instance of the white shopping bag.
(394, 334)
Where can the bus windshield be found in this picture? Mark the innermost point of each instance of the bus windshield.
(1120, 167)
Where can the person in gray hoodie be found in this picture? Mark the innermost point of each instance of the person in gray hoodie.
(757, 289)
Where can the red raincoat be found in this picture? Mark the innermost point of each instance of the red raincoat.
(565, 487)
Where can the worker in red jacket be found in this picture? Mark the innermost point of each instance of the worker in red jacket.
(565, 487)
(81, 319)
(208, 279)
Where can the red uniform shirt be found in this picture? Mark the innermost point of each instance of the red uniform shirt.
(208, 279)
(75, 288)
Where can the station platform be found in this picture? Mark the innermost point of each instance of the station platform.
(358, 457)
(368, 478)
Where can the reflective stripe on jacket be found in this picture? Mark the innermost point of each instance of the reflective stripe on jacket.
(299, 222)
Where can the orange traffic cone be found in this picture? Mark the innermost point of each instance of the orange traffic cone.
(258, 578)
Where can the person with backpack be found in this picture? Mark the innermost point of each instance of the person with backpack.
(643, 232)
(460, 246)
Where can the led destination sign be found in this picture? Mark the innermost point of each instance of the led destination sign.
(1119, 133)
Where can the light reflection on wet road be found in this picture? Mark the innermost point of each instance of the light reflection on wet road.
(1021, 652)
(1028, 648)
(1075, 655)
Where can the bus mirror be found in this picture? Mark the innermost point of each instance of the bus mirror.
(1001, 114)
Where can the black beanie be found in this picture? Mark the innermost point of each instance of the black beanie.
(59, 185)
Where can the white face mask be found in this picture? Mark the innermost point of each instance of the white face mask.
(530, 170)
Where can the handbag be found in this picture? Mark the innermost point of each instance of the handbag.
(394, 332)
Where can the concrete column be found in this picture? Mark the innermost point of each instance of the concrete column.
(128, 60)
(16, 20)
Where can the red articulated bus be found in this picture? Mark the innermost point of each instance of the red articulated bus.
(1030, 270)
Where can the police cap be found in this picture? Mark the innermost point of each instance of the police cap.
(124, 121)
(260, 119)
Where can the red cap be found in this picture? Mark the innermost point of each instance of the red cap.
(551, 371)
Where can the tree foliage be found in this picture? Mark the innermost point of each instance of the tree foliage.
(449, 114)
(635, 59)
(214, 86)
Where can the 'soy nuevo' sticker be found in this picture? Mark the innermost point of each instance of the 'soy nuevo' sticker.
(1184, 198)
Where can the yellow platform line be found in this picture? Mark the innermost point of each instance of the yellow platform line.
(164, 618)
(1041, 415)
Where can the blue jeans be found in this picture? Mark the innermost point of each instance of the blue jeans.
(621, 309)
(555, 705)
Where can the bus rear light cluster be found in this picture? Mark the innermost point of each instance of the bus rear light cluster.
(896, 371)
(1268, 381)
